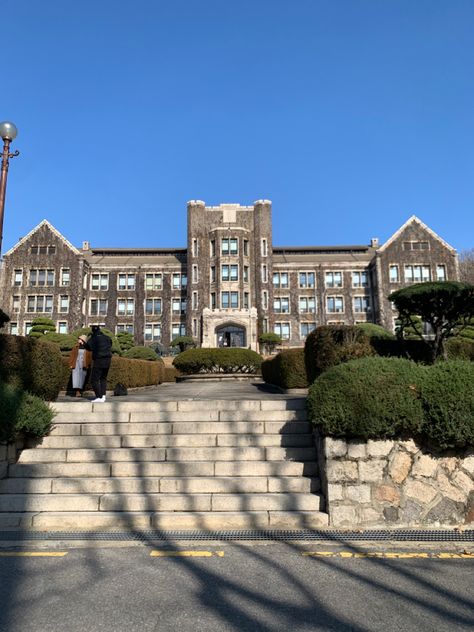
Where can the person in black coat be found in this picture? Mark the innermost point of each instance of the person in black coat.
(101, 347)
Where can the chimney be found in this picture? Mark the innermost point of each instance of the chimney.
(86, 245)
(374, 242)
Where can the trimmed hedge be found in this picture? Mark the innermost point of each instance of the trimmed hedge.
(329, 345)
(22, 413)
(31, 364)
(376, 398)
(127, 371)
(170, 373)
(447, 393)
(287, 369)
(218, 361)
(459, 348)
(141, 353)
(375, 331)
(371, 398)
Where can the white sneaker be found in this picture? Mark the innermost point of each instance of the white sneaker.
(99, 400)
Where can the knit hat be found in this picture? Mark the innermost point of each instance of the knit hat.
(83, 338)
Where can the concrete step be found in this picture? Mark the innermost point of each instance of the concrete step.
(38, 455)
(160, 502)
(73, 417)
(118, 405)
(173, 520)
(194, 427)
(163, 485)
(169, 440)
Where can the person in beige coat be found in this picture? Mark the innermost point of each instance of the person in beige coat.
(80, 361)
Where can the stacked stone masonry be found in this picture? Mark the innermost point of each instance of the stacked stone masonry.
(393, 483)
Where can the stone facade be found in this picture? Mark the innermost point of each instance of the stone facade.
(225, 288)
(395, 484)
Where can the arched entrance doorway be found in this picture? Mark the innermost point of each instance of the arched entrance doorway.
(231, 336)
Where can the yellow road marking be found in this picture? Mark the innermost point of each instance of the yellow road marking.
(187, 554)
(388, 555)
(33, 553)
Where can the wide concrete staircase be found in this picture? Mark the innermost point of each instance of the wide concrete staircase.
(204, 464)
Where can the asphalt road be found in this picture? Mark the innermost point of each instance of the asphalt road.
(227, 587)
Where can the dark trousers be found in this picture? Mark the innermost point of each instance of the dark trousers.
(99, 380)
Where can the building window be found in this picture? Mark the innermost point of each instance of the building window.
(180, 281)
(43, 250)
(229, 246)
(360, 279)
(124, 327)
(64, 304)
(62, 327)
(394, 276)
(195, 247)
(98, 307)
(361, 304)
(99, 281)
(125, 306)
(230, 299)
(230, 272)
(265, 299)
(14, 329)
(333, 279)
(264, 248)
(213, 300)
(417, 274)
(153, 306)
(280, 279)
(195, 300)
(126, 282)
(307, 305)
(41, 277)
(41, 304)
(246, 300)
(441, 273)
(178, 329)
(282, 330)
(28, 327)
(307, 280)
(195, 274)
(16, 304)
(246, 274)
(195, 327)
(65, 277)
(178, 306)
(264, 274)
(281, 305)
(246, 247)
(153, 281)
(152, 332)
(416, 245)
(225, 246)
(18, 278)
(334, 304)
(265, 325)
(233, 246)
(306, 328)
(213, 247)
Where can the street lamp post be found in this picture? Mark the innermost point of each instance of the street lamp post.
(8, 132)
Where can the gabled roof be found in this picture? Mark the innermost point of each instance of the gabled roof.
(414, 219)
(35, 229)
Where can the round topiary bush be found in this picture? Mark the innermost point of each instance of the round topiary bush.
(375, 331)
(371, 398)
(330, 345)
(287, 369)
(140, 353)
(447, 393)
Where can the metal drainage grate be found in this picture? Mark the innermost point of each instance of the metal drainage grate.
(248, 535)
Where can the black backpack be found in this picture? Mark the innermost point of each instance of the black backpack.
(120, 390)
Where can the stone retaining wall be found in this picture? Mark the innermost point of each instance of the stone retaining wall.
(395, 484)
(8, 454)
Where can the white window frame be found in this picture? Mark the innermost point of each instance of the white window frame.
(307, 309)
(332, 283)
(127, 303)
(17, 279)
(100, 302)
(153, 300)
(153, 328)
(62, 273)
(278, 307)
(335, 310)
(156, 281)
(362, 299)
(306, 284)
(129, 287)
(278, 329)
(60, 301)
(311, 324)
(103, 281)
(393, 266)
(360, 283)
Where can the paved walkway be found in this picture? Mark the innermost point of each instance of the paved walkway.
(172, 391)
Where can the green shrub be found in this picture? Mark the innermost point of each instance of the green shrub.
(447, 393)
(375, 331)
(127, 371)
(218, 361)
(170, 373)
(65, 342)
(286, 370)
(460, 348)
(410, 349)
(140, 353)
(22, 413)
(183, 343)
(41, 326)
(269, 340)
(125, 340)
(32, 365)
(330, 345)
(371, 398)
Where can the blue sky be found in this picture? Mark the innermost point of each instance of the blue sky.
(350, 115)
